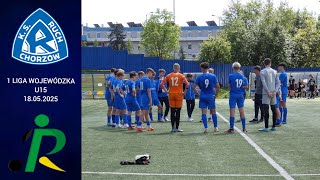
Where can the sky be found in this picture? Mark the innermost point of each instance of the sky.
(123, 11)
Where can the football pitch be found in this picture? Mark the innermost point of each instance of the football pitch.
(293, 151)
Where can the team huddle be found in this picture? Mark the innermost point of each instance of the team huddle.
(140, 94)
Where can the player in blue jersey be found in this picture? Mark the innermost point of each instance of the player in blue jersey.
(146, 99)
(155, 100)
(138, 97)
(162, 95)
(140, 75)
(112, 92)
(109, 98)
(246, 82)
(278, 101)
(131, 101)
(244, 91)
(209, 87)
(211, 70)
(119, 101)
(237, 84)
(190, 97)
(284, 91)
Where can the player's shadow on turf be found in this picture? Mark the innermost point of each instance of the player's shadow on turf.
(203, 134)
(160, 133)
(104, 128)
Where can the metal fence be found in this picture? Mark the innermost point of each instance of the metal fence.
(104, 58)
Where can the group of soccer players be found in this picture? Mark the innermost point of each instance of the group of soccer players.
(139, 94)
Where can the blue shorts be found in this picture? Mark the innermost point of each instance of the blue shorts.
(284, 97)
(278, 102)
(133, 105)
(107, 95)
(207, 102)
(236, 99)
(110, 103)
(145, 101)
(119, 103)
(139, 101)
(155, 101)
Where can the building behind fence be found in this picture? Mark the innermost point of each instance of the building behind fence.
(104, 58)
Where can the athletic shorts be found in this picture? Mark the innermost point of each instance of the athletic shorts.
(175, 100)
(284, 97)
(139, 100)
(107, 95)
(119, 103)
(266, 99)
(278, 102)
(237, 99)
(133, 106)
(110, 103)
(155, 101)
(145, 101)
(207, 102)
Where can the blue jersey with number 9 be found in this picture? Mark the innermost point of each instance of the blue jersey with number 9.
(206, 83)
(237, 81)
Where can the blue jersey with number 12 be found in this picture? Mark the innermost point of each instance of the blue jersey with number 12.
(237, 81)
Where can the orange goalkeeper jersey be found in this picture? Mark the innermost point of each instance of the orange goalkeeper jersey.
(175, 81)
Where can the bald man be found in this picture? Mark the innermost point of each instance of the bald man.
(211, 70)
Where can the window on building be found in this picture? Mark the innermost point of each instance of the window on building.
(189, 34)
(98, 35)
(92, 35)
(189, 46)
(134, 35)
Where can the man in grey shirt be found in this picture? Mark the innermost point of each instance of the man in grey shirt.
(257, 96)
(270, 82)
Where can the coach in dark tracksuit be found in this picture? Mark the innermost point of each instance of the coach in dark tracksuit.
(163, 96)
(258, 95)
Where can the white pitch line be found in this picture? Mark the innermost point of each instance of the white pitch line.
(305, 174)
(282, 171)
(190, 175)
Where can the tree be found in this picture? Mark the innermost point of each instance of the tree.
(258, 30)
(95, 43)
(181, 53)
(215, 50)
(160, 36)
(84, 43)
(129, 46)
(117, 37)
(306, 49)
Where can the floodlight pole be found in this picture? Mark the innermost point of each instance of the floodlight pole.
(218, 18)
(174, 20)
(174, 11)
(147, 16)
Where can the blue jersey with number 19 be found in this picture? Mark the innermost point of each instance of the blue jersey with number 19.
(237, 81)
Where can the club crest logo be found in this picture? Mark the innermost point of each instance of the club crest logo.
(40, 40)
